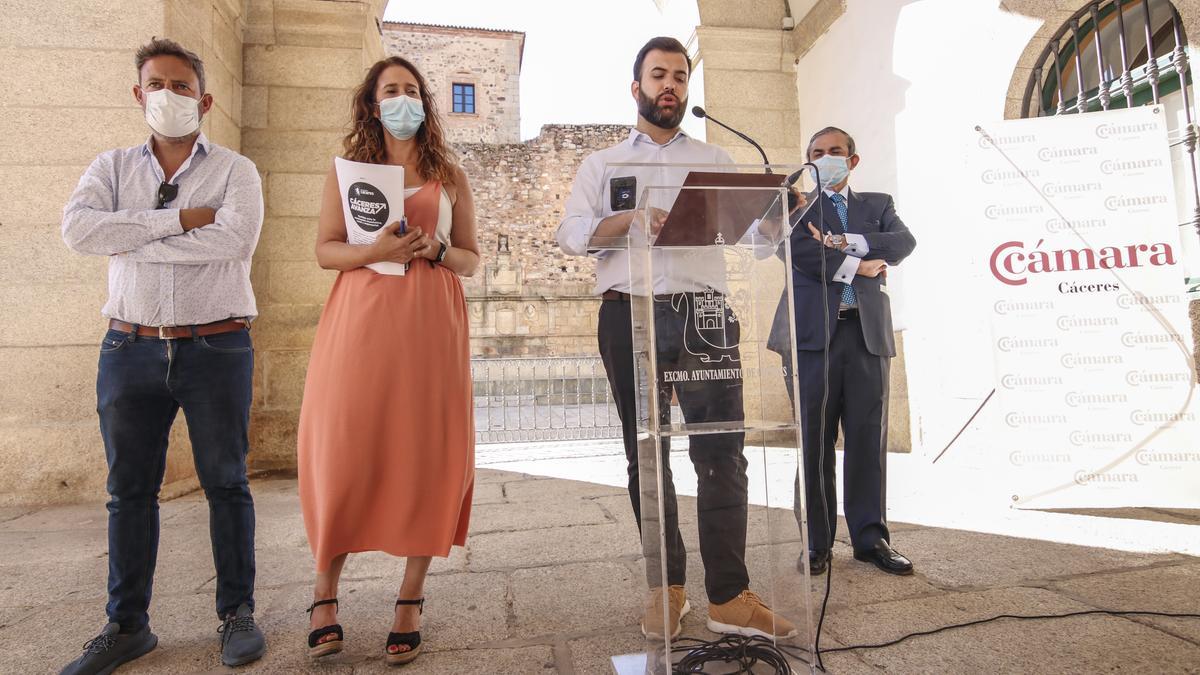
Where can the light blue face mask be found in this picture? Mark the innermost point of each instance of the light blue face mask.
(833, 169)
(402, 116)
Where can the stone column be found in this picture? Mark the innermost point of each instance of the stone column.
(66, 73)
(302, 60)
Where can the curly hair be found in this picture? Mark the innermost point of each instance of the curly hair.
(365, 142)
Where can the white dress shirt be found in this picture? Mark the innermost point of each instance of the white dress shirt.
(856, 244)
(590, 202)
(159, 275)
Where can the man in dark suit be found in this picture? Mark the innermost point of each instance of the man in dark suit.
(843, 308)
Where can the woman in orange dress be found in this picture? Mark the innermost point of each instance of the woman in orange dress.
(386, 438)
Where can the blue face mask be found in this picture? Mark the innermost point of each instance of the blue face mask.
(833, 169)
(402, 116)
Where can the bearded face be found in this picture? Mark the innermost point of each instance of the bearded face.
(665, 115)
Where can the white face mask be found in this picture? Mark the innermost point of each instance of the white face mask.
(402, 116)
(833, 169)
(170, 114)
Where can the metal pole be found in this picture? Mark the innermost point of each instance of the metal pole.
(1179, 58)
(1080, 98)
(1126, 76)
(1151, 63)
(1037, 92)
(1105, 98)
(1062, 105)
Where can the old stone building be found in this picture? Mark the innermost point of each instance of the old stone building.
(528, 299)
(531, 299)
(475, 74)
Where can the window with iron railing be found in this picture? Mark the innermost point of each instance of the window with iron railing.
(1119, 54)
(1111, 54)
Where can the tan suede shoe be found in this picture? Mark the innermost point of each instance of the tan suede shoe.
(747, 615)
(652, 621)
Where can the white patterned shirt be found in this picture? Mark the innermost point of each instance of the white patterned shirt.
(591, 202)
(159, 275)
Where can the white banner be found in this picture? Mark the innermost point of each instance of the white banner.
(1095, 379)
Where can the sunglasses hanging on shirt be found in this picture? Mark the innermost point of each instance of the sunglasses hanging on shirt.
(166, 194)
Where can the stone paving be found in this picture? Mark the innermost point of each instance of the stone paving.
(550, 583)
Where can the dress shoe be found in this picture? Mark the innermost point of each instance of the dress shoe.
(883, 556)
(818, 562)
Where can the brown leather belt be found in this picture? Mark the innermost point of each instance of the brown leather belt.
(176, 332)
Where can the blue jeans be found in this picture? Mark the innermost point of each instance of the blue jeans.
(141, 385)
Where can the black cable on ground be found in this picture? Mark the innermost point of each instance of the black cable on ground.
(746, 653)
(750, 652)
(933, 631)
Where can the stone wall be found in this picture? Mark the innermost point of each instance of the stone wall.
(488, 59)
(279, 72)
(303, 59)
(531, 299)
(67, 73)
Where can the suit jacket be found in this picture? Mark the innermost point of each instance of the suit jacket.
(871, 214)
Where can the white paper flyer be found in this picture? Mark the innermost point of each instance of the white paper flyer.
(372, 197)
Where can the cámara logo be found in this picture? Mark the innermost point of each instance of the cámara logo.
(1089, 477)
(1049, 154)
(1002, 211)
(1115, 203)
(1142, 417)
(1005, 141)
(1009, 344)
(1137, 378)
(1056, 189)
(1011, 261)
(993, 176)
(1137, 299)
(1011, 381)
(1018, 458)
(1005, 307)
(1070, 361)
(1056, 225)
(1016, 419)
(1139, 339)
(1110, 166)
(1108, 130)
(1067, 323)
(1081, 438)
(1075, 399)
(1146, 457)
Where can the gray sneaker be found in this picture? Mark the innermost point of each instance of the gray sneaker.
(103, 653)
(241, 640)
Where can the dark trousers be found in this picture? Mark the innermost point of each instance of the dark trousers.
(720, 465)
(142, 384)
(858, 400)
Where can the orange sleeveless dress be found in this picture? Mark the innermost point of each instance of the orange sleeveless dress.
(386, 443)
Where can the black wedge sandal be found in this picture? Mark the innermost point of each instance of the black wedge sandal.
(318, 649)
(411, 640)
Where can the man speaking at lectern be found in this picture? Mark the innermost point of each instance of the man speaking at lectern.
(601, 208)
(858, 236)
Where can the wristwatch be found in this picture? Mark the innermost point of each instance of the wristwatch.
(442, 253)
(837, 241)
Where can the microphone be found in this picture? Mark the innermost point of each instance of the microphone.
(699, 112)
